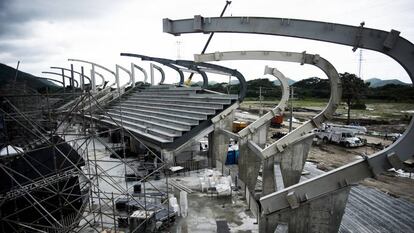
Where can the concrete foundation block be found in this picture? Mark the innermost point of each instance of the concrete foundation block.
(293, 159)
(268, 177)
(260, 136)
(219, 142)
(168, 156)
(322, 215)
(249, 165)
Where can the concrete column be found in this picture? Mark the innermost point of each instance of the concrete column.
(249, 165)
(322, 215)
(260, 136)
(219, 142)
(168, 156)
(134, 145)
(269, 178)
(210, 154)
(293, 159)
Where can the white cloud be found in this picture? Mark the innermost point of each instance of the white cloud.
(43, 33)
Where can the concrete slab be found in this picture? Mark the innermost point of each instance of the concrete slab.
(205, 211)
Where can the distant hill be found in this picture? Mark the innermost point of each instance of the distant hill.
(234, 82)
(8, 73)
(290, 82)
(376, 82)
(200, 83)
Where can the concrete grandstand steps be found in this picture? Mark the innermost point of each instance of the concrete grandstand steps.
(194, 97)
(193, 114)
(173, 91)
(173, 101)
(166, 114)
(176, 117)
(186, 99)
(151, 134)
(199, 109)
(169, 129)
(156, 119)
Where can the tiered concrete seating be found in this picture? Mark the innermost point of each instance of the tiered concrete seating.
(164, 114)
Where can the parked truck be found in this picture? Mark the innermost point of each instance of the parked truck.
(342, 136)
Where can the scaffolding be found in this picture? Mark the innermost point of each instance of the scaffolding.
(94, 192)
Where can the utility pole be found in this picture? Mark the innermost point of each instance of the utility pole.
(291, 108)
(15, 76)
(360, 64)
(260, 99)
(179, 49)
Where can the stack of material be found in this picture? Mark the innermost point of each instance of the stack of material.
(174, 204)
(214, 179)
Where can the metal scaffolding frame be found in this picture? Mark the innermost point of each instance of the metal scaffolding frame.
(98, 211)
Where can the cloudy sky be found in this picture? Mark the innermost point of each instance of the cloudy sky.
(43, 33)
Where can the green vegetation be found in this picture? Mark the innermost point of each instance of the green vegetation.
(389, 102)
(315, 87)
(7, 75)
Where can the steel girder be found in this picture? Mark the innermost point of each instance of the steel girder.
(389, 43)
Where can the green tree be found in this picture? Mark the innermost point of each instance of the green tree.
(353, 89)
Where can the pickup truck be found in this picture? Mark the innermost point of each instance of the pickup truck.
(343, 137)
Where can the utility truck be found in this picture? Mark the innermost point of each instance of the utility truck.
(339, 135)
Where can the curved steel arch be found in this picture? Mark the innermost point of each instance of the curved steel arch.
(68, 77)
(300, 58)
(169, 62)
(76, 72)
(190, 66)
(152, 67)
(232, 72)
(162, 61)
(102, 78)
(117, 68)
(388, 43)
(139, 68)
(93, 71)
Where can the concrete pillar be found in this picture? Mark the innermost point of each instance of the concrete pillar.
(322, 215)
(293, 159)
(260, 136)
(218, 142)
(134, 145)
(168, 156)
(249, 165)
(268, 177)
